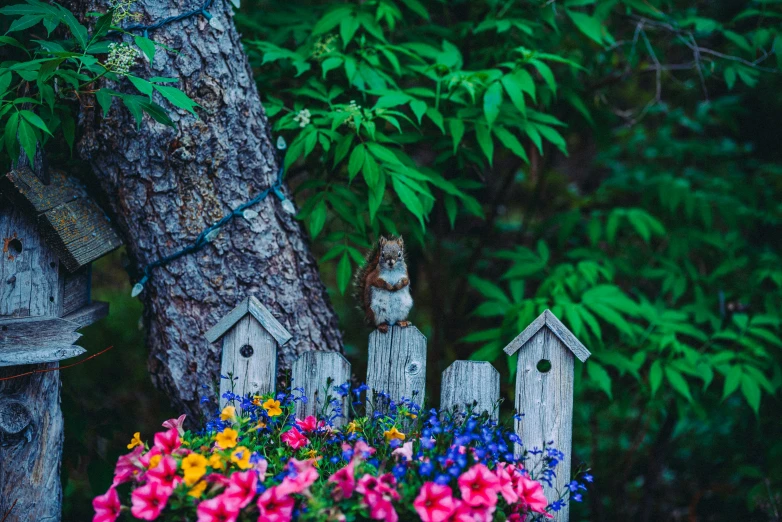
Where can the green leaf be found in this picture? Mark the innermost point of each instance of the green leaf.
(600, 376)
(35, 120)
(436, 117)
(177, 98)
(492, 100)
(485, 141)
(487, 288)
(27, 139)
(513, 87)
(655, 376)
(419, 109)
(68, 129)
(147, 46)
(546, 74)
(751, 392)
(678, 382)
(347, 28)
(9, 135)
(417, 8)
(589, 25)
(371, 170)
(104, 97)
(511, 142)
(456, 126)
(356, 161)
(409, 199)
(732, 381)
(143, 86)
(318, 218)
(329, 64)
(25, 22)
(343, 273)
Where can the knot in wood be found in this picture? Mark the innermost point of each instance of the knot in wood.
(246, 351)
(14, 418)
(413, 368)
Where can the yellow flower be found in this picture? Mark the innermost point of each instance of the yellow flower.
(228, 413)
(272, 407)
(216, 462)
(352, 426)
(197, 490)
(411, 415)
(311, 454)
(135, 441)
(226, 439)
(257, 400)
(194, 466)
(154, 461)
(259, 426)
(393, 433)
(241, 457)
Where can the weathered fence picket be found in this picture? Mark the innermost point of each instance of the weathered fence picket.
(397, 366)
(250, 337)
(471, 382)
(318, 373)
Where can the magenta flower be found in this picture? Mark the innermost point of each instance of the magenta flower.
(106, 506)
(242, 487)
(128, 466)
(306, 475)
(294, 438)
(466, 513)
(309, 423)
(164, 473)
(222, 508)
(378, 495)
(149, 500)
(506, 483)
(434, 503)
(479, 486)
(167, 441)
(531, 495)
(275, 506)
(176, 424)
(345, 481)
(405, 452)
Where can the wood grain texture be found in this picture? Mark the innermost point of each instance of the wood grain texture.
(79, 232)
(76, 289)
(29, 280)
(13, 355)
(35, 330)
(24, 188)
(254, 369)
(473, 384)
(89, 314)
(318, 373)
(546, 401)
(164, 185)
(555, 325)
(251, 306)
(30, 454)
(397, 364)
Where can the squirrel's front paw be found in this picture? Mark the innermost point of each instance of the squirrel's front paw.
(383, 327)
(404, 324)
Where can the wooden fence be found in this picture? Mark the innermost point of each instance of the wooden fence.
(250, 337)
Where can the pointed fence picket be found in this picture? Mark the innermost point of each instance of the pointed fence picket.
(397, 366)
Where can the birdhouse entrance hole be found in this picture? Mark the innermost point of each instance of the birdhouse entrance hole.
(15, 247)
(544, 365)
(246, 350)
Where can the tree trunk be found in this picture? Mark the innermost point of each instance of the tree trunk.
(163, 186)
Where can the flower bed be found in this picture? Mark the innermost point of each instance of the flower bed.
(256, 462)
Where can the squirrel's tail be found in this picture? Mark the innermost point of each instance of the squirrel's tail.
(360, 279)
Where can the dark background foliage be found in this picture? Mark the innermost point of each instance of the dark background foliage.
(616, 162)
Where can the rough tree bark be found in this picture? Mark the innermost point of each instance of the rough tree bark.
(163, 186)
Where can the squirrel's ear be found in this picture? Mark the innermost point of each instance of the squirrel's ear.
(401, 242)
(382, 241)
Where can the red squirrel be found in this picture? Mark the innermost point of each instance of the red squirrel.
(383, 286)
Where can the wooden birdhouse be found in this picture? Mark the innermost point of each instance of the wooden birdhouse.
(250, 337)
(51, 233)
(544, 392)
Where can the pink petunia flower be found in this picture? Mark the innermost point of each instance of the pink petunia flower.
(294, 438)
(146, 458)
(309, 423)
(222, 508)
(464, 512)
(149, 500)
(275, 506)
(531, 495)
(479, 486)
(260, 468)
(164, 473)
(345, 480)
(405, 452)
(106, 506)
(242, 487)
(217, 478)
(167, 441)
(378, 494)
(176, 424)
(128, 466)
(306, 475)
(434, 503)
(506, 483)
(362, 449)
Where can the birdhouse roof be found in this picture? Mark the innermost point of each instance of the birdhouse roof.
(71, 223)
(252, 306)
(556, 327)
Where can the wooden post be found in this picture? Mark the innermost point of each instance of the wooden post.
(250, 337)
(397, 364)
(318, 373)
(471, 382)
(544, 393)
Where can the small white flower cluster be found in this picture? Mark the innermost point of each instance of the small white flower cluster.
(303, 117)
(122, 11)
(353, 109)
(121, 58)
